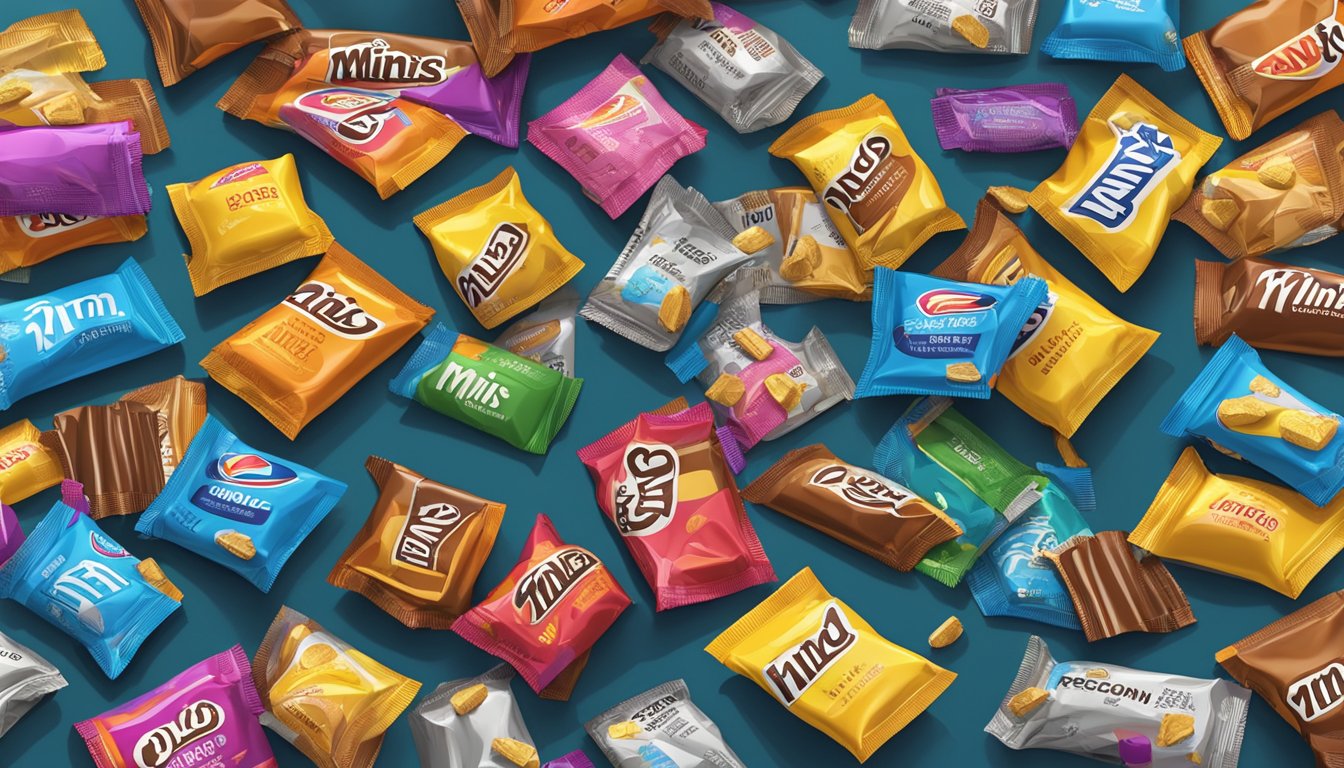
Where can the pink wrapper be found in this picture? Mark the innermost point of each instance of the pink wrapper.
(11, 535)
(204, 717)
(617, 136)
(78, 170)
(575, 759)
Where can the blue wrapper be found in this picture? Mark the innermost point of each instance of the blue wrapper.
(923, 324)
(81, 329)
(77, 578)
(1318, 475)
(225, 485)
(1133, 31)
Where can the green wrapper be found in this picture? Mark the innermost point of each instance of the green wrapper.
(515, 399)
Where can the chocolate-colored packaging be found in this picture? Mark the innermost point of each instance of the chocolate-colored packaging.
(419, 553)
(180, 405)
(114, 451)
(859, 507)
(1270, 305)
(1117, 590)
(189, 34)
(1295, 665)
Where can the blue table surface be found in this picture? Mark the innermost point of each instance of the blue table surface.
(643, 649)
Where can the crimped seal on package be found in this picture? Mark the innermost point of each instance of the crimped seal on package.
(53, 43)
(952, 26)
(1131, 167)
(1008, 118)
(456, 725)
(189, 34)
(741, 69)
(77, 170)
(38, 98)
(25, 680)
(546, 334)
(1129, 31)
(31, 239)
(879, 193)
(500, 254)
(661, 726)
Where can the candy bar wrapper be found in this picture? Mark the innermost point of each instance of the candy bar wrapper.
(31, 239)
(189, 34)
(326, 698)
(1010, 118)
(79, 170)
(617, 136)
(951, 26)
(879, 194)
(246, 219)
(664, 482)
(11, 534)
(523, 403)
(1131, 167)
(1287, 193)
(488, 107)
(446, 739)
(806, 648)
(744, 71)
(252, 531)
(685, 359)
(575, 759)
(1072, 351)
(671, 730)
(419, 553)
(1239, 526)
(1270, 305)
(114, 451)
(37, 98)
(297, 359)
(209, 708)
(936, 452)
(1129, 31)
(546, 335)
(547, 613)
(681, 242)
(81, 329)
(54, 43)
(98, 594)
(25, 680)
(500, 254)
(27, 466)
(877, 516)
(1116, 590)
(1188, 720)
(1241, 408)
(935, 336)
(180, 406)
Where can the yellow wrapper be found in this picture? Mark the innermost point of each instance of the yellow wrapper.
(829, 667)
(1132, 165)
(26, 466)
(55, 42)
(1239, 526)
(246, 219)
(500, 254)
(330, 701)
(1072, 351)
(878, 192)
(837, 273)
(65, 99)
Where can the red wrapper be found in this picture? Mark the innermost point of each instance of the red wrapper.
(662, 479)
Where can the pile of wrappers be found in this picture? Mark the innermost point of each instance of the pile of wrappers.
(939, 495)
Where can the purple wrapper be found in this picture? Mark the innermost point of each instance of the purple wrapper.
(575, 759)
(1016, 118)
(1134, 749)
(79, 170)
(11, 535)
(485, 106)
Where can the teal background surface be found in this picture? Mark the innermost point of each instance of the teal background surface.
(1120, 439)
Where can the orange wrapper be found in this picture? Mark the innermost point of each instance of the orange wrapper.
(32, 239)
(26, 465)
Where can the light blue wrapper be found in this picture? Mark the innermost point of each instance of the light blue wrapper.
(1130, 31)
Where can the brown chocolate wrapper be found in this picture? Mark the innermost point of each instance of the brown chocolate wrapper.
(1268, 218)
(189, 34)
(1270, 305)
(180, 405)
(114, 450)
(419, 553)
(132, 100)
(1115, 591)
(859, 507)
(1296, 665)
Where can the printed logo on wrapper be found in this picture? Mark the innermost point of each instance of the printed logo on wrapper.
(340, 313)
(196, 721)
(376, 61)
(250, 471)
(466, 384)
(873, 177)
(1296, 290)
(241, 173)
(1142, 157)
(38, 225)
(1311, 55)
(862, 489)
(426, 528)
(367, 119)
(546, 583)
(646, 499)
(625, 104)
(942, 301)
(503, 253)
(792, 672)
(49, 323)
(18, 454)
(83, 586)
(1035, 324)
(1319, 693)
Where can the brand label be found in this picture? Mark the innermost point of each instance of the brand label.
(468, 386)
(83, 586)
(871, 184)
(546, 583)
(791, 673)
(862, 488)
(625, 104)
(1035, 324)
(49, 323)
(250, 475)
(1319, 693)
(1106, 687)
(1251, 513)
(1310, 55)
(250, 470)
(941, 301)
(1297, 291)
(646, 499)
(336, 311)
(427, 527)
(196, 721)
(503, 253)
(1141, 159)
(48, 224)
(17, 454)
(240, 173)
(364, 119)
(376, 61)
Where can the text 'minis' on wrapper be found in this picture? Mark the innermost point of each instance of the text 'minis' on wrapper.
(806, 648)
(882, 197)
(56, 42)
(545, 616)
(1131, 167)
(25, 680)
(1080, 706)
(27, 466)
(456, 725)
(30, 239)
(500, 254)
(330, 701)
(663, 481)
(1010, 118)
(744, 71)
(1270, 305)
(1129, 31)
(297, 359)
(189, 34)
(208, 711)
(1243, 527)
(617, 136)
(81, 581)
(1244, 410)
(82, 329)
(935, 336)
(669, 729)
(77, 170)
(952, 26)
(242, 508)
